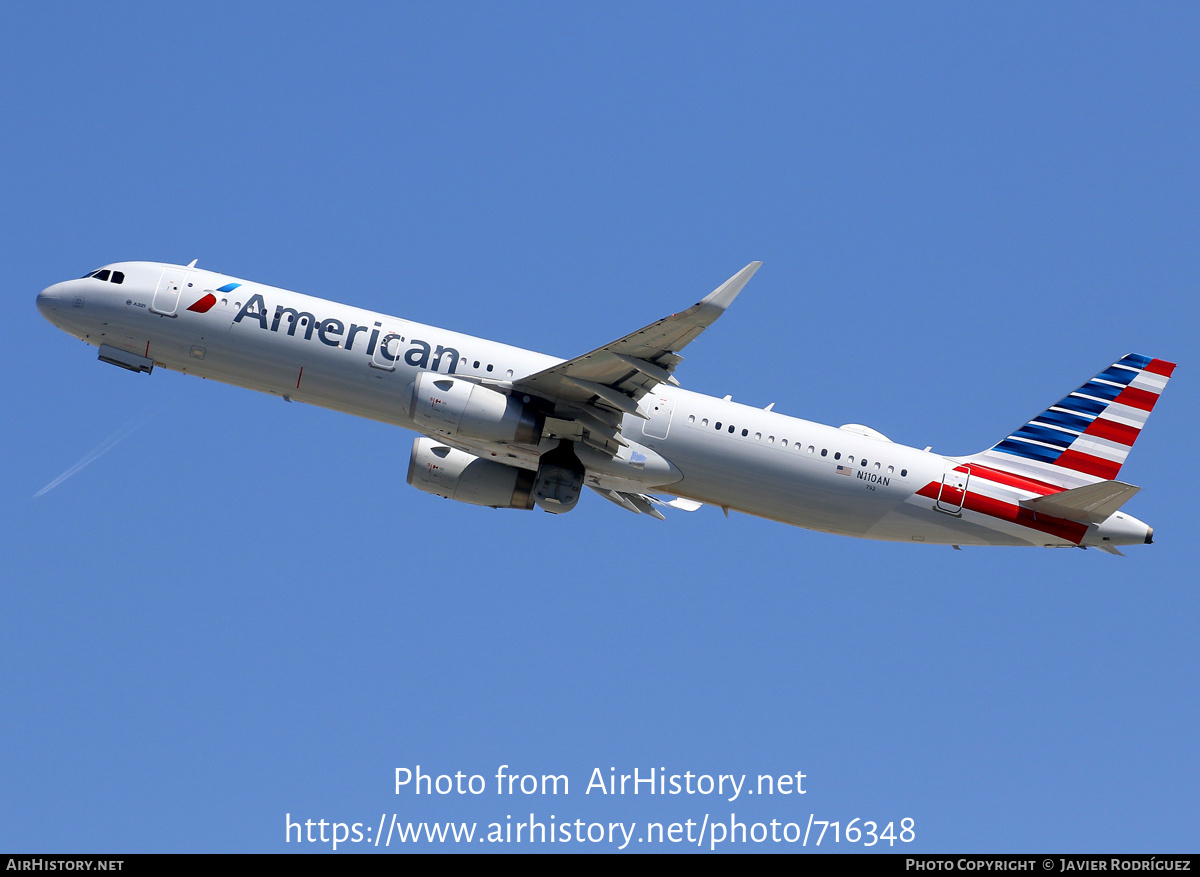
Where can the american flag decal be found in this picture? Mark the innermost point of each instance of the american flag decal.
(844, 470)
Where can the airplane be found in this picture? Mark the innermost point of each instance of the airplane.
(504, 427)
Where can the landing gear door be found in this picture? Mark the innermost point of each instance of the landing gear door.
(953, 492)
(659, 409)
(166, 296)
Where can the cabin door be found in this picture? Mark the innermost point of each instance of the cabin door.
(660, 409)
(953, 492)
(166, 296)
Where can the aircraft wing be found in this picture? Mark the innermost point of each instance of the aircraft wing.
(591, 393)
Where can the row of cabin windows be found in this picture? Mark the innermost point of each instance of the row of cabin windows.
(837, 455)
(507, 374)
(106, 274)
(463, 361)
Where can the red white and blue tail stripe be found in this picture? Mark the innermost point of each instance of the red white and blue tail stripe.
(1085, 437)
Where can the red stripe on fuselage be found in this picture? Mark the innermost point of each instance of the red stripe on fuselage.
(1009, 479)
(1072, 531)
(1112, 431)
(930, 490)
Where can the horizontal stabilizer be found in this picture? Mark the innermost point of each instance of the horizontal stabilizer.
(1093, 503)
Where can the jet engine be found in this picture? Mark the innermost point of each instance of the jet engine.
(453, 406)
(445, 471)
(559, 479)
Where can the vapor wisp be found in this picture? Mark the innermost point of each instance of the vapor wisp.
(95, 453)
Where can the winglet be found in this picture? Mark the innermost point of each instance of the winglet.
(722, 297)
(687, 505)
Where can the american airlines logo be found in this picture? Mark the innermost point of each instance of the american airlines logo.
(204, 305)
(334, 333)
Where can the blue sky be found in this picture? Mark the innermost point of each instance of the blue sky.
(241, 611)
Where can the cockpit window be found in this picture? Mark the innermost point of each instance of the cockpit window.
(104, 274)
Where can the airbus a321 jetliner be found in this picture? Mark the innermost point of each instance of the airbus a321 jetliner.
(509, 428)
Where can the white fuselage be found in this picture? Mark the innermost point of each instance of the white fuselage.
(711, 450)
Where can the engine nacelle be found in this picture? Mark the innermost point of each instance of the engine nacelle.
(556, 489)
(453, 406)
(445, 471)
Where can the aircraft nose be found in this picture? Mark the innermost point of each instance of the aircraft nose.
(50, 300)
(45, 300)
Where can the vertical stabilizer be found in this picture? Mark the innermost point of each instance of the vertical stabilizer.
(1085, 437)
